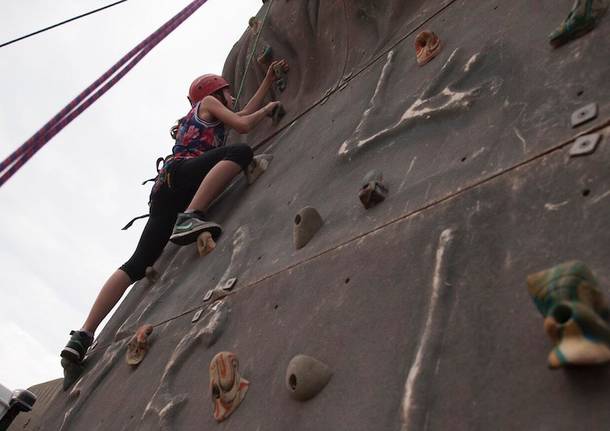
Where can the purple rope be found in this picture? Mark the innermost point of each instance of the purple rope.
(85, 99)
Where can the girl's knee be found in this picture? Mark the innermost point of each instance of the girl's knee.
(241, 154)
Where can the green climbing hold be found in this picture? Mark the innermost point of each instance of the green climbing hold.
(581, 19)
(576, 314)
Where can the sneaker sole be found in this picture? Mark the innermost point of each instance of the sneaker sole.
(70, 354)
(185, 238)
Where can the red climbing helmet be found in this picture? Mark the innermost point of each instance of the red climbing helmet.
(206, 85)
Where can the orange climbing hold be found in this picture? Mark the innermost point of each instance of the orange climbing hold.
(138, 346)
(427, 46)
(227, 387)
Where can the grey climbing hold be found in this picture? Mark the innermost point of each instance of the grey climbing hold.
(373, 191)
(585, 145)
(584, 114)
(197, 315)
(306, 377)
(257, 167)
(306, 223)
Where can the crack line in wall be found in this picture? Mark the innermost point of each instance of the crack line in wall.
(408, 404)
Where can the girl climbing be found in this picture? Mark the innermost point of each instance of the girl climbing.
(198, 171)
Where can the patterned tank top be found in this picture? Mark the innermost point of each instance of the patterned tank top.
(196, 136)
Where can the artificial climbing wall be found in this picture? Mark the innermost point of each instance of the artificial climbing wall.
(419, 305)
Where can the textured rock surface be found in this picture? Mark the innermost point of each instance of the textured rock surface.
(419, 305)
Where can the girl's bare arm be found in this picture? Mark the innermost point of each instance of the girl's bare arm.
(255, 102)
(240, 123)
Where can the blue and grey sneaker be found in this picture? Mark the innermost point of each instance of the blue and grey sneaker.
(76, 349)
(188, 227)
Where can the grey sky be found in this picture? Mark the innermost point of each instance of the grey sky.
(61, 214)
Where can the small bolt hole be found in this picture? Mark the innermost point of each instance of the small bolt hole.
(586, 192)
(562, 313)
(259, 258)
(347, 280)
(297, 219)
(580, 93)
(292, 380)
(215, 392)
(463, 159)
(275, 306)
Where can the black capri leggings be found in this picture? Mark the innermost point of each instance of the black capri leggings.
(167, 202)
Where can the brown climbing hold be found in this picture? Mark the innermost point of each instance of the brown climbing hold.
(254, 24)
(227, 387)
(277, 114)
(257, 167)
(280, 70)
(427, 46)
(576, 314)
(306, 223)
(138, 345)
(373, 191)
(306, 377)
(205, 244)
(151, 274)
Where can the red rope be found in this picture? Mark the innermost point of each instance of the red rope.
(21, 155)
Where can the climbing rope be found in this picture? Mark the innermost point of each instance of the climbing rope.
(85, 99)
(258, 35)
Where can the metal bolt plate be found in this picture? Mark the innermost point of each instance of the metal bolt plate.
(584, 114)
(197, 316)
(229, 284)
(585, 145)
(208, 295)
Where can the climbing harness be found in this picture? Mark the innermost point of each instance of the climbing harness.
(93, 92)
(163, 177)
